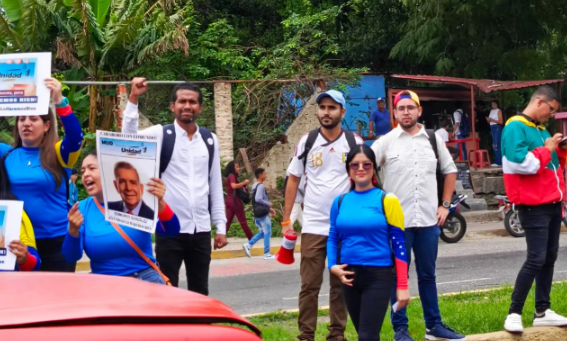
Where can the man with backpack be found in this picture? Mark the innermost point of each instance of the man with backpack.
(415, 162)
(190, 168)
(321, 156)
(462, 127)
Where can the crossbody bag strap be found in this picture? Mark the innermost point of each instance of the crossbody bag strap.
(134, 246)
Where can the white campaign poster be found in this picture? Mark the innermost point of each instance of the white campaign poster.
(10, 225)
(127, 163)
(22, 84)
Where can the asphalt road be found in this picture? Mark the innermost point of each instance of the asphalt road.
(477, 262)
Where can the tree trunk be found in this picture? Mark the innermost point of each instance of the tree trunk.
(93, 92)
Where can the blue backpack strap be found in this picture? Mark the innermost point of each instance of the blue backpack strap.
(166, 147)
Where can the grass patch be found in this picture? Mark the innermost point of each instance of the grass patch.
(468, 313)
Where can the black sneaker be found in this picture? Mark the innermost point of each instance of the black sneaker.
(442, 332)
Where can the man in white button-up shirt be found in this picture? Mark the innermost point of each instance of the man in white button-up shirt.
(193, 193)
(410, 165)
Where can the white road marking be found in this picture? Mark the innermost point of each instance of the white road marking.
(465, 281)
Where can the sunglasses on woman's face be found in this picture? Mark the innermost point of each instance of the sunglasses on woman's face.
(366, 166)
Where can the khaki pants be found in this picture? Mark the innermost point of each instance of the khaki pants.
(313, 255)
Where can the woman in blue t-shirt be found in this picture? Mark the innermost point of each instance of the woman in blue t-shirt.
(39, 166)
(107, 249)
(367, 223)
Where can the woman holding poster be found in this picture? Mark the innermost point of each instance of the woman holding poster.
(27, 258)
(39, 167)
(114, 249)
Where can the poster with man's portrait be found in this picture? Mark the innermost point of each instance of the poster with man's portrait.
(127, 164)
(10, 226)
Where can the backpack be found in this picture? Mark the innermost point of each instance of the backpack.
(241, 193)
(313, 136)
(465, 125)
(259, 210)
(169, 142)
(438, 175)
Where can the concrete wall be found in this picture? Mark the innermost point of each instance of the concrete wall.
(277, 159)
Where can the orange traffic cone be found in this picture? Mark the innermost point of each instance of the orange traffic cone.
(285, 254)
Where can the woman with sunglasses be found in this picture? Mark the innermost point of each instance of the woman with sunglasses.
(366, 243)
(108, 251)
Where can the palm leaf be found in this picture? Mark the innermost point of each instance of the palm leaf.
(8, 36)
(13, 9)
(87, 34)
(34, 24)
(100, 9)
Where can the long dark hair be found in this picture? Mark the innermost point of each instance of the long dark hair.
(230, 169)
(47, 154)
(5, 186)
(364, 149)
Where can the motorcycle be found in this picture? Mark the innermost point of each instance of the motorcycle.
(455, 226)
(512, 220)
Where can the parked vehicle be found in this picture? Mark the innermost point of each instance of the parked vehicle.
(84, 307)
(455, 226)
(511, 218)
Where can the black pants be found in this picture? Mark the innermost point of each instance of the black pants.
(542, 224)
(195, 250)
(52, 259)
(367, 300)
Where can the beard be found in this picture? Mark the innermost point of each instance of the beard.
(187, 119)
(409, 125)
(334, 122)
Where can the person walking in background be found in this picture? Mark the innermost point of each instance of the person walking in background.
(533, 164)
(263, 213)
(366, 241)
(73, 190)
(379, 123)
(25, 250)
(320, 155)
(39, 167)
(496, 121)
(410, 164)
(190, 169)
(233, 204)
(105, 243)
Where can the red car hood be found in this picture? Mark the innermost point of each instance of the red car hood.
(40, 299)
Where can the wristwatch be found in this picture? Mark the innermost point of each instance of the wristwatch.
(446, 204)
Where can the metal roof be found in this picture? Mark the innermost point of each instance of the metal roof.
(484, 85)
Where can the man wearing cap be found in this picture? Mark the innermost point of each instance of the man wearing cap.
(407, 157)
(320, 155)
(379, 120)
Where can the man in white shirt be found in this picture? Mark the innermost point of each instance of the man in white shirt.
(458, 117)
(407, 157)
(444, 134)
(194, 185)
(326, 178)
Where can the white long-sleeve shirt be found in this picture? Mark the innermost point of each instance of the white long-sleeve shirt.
(187, 177)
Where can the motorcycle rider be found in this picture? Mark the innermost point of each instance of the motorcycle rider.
(407, 157)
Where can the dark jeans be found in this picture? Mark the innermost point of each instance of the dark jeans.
(52, 259)
(195, 250)
(424, 241)
(542, 224)
(496, 130)
(463, 146)
(367, 299)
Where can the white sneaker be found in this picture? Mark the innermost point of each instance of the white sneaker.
(268, 256)
(494, 165)
(513, 323)
(246, 248)
(550, 318)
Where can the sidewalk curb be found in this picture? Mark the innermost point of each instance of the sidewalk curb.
(216, 254)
